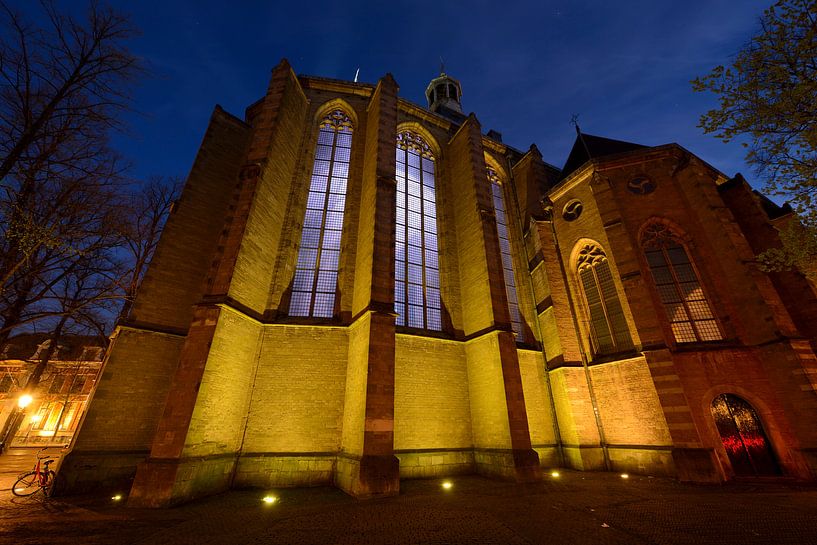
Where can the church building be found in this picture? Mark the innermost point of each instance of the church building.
(354, 289)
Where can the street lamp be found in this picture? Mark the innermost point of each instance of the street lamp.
(24, 401)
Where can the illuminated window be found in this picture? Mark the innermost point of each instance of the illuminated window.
(5, 384)
(608, 327)
(681, 294)
(505, 251)
(316, 273)
(417, 269)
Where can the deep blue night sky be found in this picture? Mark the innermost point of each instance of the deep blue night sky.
(525, 67)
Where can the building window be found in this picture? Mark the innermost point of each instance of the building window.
(6, 384)
(417, 270)
(689, 313)
(609, 333)
(505, 251)
(316, 272)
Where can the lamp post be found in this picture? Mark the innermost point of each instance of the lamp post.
(14, 421)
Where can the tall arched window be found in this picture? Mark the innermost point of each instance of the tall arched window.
(505, 251)
(316, 273)
(417, 270)
(608, 327)
(678, 286)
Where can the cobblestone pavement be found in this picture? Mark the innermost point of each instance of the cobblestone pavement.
(576, 508)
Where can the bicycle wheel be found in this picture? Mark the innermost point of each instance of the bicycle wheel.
(26, 485)
(49, 482)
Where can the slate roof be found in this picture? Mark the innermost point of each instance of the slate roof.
(588, 147)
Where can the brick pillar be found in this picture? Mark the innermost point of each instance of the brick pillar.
(367, 465)
(197, 440)
(499, 419)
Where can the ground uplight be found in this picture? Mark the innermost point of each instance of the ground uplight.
(554, 473)
(447, 485)
(117, 497)
(269, 499)
(625, 476)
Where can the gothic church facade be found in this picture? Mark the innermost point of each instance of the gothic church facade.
(354, 290)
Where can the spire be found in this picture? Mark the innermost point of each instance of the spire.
(444, 93)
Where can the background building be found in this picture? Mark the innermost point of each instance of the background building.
(60, 398)
(354, 289)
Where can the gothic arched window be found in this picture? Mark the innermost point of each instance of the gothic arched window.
(505, 251)
(678, 286)
(316, 272)
(417, 270)
(608, 327)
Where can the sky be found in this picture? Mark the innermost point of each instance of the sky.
(525, 67)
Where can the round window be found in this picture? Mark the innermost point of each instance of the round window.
(572, 210)
(641, 185)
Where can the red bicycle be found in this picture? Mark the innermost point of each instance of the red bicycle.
(42, 478)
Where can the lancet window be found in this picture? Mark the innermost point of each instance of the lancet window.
(417, 270)
(505, 251)
(609, 333)
(678, 286)
(316, 272)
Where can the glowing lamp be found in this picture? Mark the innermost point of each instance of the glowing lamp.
(447, 485)
(117, 497)
(554, 474)
(24, 401)
(36, 417)
(269, 500)
(625, 476)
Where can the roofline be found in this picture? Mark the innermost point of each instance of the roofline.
(599, 163)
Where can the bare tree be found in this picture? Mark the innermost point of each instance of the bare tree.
(147, 213)
(62, 89)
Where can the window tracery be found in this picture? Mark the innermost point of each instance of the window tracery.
(316, 271)
(417, 271)
(678, 286)
(609, 332)
(505, 251)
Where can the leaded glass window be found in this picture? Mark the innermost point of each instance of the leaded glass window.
(316, 272)
(417, 269)
(505, 252)
(678, 287)
(609, 333)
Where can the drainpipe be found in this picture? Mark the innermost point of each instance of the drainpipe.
(527, 275)
(548, 206)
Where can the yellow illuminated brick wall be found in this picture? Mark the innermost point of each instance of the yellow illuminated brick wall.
(537, 398)
(431, 407)
(354, 408)
(573, 407)
(489, 410)
(628, 404)
(217, 423)
(128, 406)
(254, 265)
(297, 403)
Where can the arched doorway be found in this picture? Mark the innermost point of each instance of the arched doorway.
(746, 444)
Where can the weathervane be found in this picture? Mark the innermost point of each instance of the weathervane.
(574, 120)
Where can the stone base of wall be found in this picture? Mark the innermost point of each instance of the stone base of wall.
(284, 470)
(549, 456)
(810, 458)
(697, 465)
(164, 483)
(81, 472)
(422, 464)
(515, 465)
(584, 457)
(642, 460)
(368, 476)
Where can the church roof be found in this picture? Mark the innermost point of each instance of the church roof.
(588, 147)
